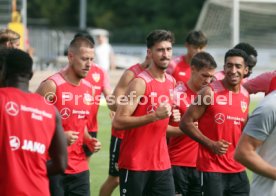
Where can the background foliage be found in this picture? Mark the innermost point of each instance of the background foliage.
(128, 21)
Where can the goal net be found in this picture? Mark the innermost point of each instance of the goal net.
(257, 22)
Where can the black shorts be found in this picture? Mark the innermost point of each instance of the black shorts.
(220, 184)
(87, 152)
(186, 181)
(70, 184)
(114, 150)
(153, 183)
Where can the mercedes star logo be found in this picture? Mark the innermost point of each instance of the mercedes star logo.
(219, 118)
(12, 108)
(65, 113)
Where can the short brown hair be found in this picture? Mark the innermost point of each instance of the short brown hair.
(7, 35)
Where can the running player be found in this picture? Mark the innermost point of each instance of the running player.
(112, 180)
(30, 130)
(72, 95)
(182, 149)
(144, 161)
(221, 110)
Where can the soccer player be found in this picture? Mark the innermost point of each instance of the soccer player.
(101, 85)
(251, 61)
(30, 130)
(256, 148)
(112, 180)
(221, 110)
(72, 95)
(179, 67)
(182, 149)
(144, 162)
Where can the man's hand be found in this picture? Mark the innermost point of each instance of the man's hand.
(220, 147)
(163, 111)
(176, 115)
(93, 144)
(71, 137)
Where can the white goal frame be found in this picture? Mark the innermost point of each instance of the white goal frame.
(235, 16)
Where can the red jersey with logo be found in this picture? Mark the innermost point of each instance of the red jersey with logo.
(27, 126)
(272, 85)
(223, 119)
(144, 148)
(136, 69)
(180, 69)
(182, 149)
(74, 105)
(100, 81)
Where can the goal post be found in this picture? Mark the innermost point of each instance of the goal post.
(227, 22)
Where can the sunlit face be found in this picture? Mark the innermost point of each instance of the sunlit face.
(234, 70)
(81, 61)
(192, 49)
(161, 54)
(202, 77)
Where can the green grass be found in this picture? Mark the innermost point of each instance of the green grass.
(99, 162)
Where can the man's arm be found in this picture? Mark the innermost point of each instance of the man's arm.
(173, 131)
(194, 112)
(259, 83)
(123, 118)
(47, 89)
(246, 154)
(121, 87)
(57, 150)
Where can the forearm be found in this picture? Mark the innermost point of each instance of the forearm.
(192, 131)
(255, 163)
(128, 122)
(173, 131)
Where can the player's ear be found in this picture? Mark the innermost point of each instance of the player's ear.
(246, 70)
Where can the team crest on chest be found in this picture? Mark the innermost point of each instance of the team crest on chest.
(243, 106)
(96, 77)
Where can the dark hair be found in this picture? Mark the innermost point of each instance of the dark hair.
(252, 56)
(236, 52)
(197, 38)
(250, 50)
(158, 36)
(80, 41)
(16, 62)
(86, 35)
(203, 59)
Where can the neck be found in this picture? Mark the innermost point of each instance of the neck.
(70, 76)
(158, 74)
(144, 65)
(18, 82)
(193, 87)
(188, 58)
